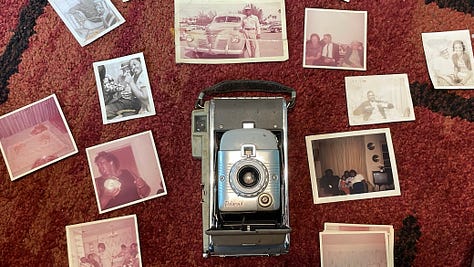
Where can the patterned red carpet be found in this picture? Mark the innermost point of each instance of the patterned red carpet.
(434, 154)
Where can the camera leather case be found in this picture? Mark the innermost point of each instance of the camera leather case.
(242, 144)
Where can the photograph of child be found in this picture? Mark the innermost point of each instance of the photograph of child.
(35, 136)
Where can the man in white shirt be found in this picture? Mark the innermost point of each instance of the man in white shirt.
(251, 29)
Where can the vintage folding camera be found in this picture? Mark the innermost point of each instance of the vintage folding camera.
(242, 143)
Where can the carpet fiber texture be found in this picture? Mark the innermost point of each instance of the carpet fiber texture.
(433, 218)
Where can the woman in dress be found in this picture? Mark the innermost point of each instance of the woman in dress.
(462, 63)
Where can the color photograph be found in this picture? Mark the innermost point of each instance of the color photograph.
(335, 39)
(105, 243)
(34, 137)
(352, 165)
(235, 31)
(126, 171)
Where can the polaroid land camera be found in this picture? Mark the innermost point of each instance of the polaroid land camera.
(242, 142)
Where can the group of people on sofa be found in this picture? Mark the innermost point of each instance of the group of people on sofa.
(350, 182)
(324, 52)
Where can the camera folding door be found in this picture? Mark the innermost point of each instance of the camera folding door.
(242, 143)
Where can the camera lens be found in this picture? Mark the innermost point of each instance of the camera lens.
(248, 176)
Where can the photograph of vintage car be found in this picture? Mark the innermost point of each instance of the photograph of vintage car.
(230, 32)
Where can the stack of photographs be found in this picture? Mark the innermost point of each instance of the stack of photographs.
(357, 245)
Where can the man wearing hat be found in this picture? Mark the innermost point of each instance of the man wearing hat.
(123, 102)
(443, 69)
(251, 30)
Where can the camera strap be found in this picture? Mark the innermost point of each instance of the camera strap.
(230, 86)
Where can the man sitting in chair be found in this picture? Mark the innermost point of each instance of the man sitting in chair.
(88, 13)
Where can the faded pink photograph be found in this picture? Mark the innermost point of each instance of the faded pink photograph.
(35, 136)
(110, 242)
(335, 39)
(364, 249)
(125, 171)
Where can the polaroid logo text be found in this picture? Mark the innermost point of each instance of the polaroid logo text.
(228, 204)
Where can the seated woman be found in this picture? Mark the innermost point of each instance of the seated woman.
(313, 50)
(462, 63)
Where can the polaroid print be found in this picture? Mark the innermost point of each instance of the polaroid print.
(110, 242)
(230, 31)
(335, 39)
(352, 165)
(449, 59)
(367, 228)
(126, 171)
(359, 249)
(124, 88)
(379, 99)
(34, 137)
(88, 20)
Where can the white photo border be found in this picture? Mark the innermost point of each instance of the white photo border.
(96, 65)
(340, 11)
(404, 90)
(54, 97)
(313, 175)
(179, 56)
(431, 43)
(110, 220)
(146, 134)
(83, 42)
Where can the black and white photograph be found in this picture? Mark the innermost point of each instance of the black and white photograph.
(124, 88)
(88, 20)
(449, 58)
(378, 99)
(105, 243)
(234, 31)
(34, 137)
(335, 39)
(352, 165)
(126, 171)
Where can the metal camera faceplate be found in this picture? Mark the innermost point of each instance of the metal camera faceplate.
(252, 152)
(209, 124)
